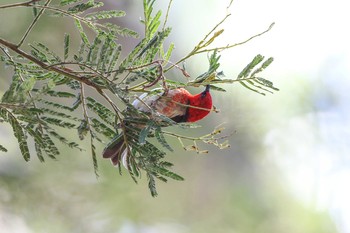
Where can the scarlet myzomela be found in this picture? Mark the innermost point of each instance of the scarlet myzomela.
(177, 104)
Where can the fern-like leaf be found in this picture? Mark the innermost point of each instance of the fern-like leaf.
(21, 136)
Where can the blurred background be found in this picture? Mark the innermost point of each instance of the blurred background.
(288, 166)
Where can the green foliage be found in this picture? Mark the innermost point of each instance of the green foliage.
(3, 149)
(249, 80)
(48, 91)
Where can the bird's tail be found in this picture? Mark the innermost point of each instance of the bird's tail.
(115, 150)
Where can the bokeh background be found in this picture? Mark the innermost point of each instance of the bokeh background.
(288, 166)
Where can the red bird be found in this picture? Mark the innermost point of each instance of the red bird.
(177, 104)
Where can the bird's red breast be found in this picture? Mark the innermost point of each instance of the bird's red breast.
(178, 104)
(201, 105)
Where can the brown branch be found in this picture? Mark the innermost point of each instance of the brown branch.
(12, 106)
(28, 3)
(62, 71)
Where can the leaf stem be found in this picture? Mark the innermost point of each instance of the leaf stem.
(88, 121)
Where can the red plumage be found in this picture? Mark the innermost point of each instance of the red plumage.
(178, 104)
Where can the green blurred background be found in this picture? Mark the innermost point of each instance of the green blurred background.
(286, 171)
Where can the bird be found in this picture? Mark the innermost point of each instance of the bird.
(177, 104)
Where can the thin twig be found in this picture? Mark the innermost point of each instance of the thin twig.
(88, 121)
(203, 43)
(237, 44)
(32, 24)
(200, 44)
(216, 26)
(83, 101)
(28, 3)
(167, 14)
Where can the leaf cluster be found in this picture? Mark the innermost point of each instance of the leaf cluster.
(51, 94)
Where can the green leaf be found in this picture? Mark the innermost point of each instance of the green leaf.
(167, 56)
(50, 147)
(61, 94)
(94, 49)
(51, 56)
(246, 71)
(81, 7)
(160, 137)
(262, 67)
(105, 53)
(35, 11)
(38, 141)
(44, 54)
(39, 144)
(56, 105)
(131, 79)
(115, 29)
(266, 83)
(250, 88)
(248, 79)
(102, 128)
(135, 169)
(67, 2)
(21, 137)
(66, 46)
(105, 14)
(83, 129)
(58, 122)
(58, 114)
(152, 184)
(153, 25)
(94, 157)
(39, 54)
(63, 140)
(167, 173)
(39, 152)
(130, 60)
(151, 49)
(212, 72)
(27, 85)
(104, 113)
(216, 88)
(144, 132)
(114, 59)
(83, 36)
(3, 149)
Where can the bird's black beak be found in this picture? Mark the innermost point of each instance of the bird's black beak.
(204, 93)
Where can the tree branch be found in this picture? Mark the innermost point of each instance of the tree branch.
(62, 71)
(28, 3)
